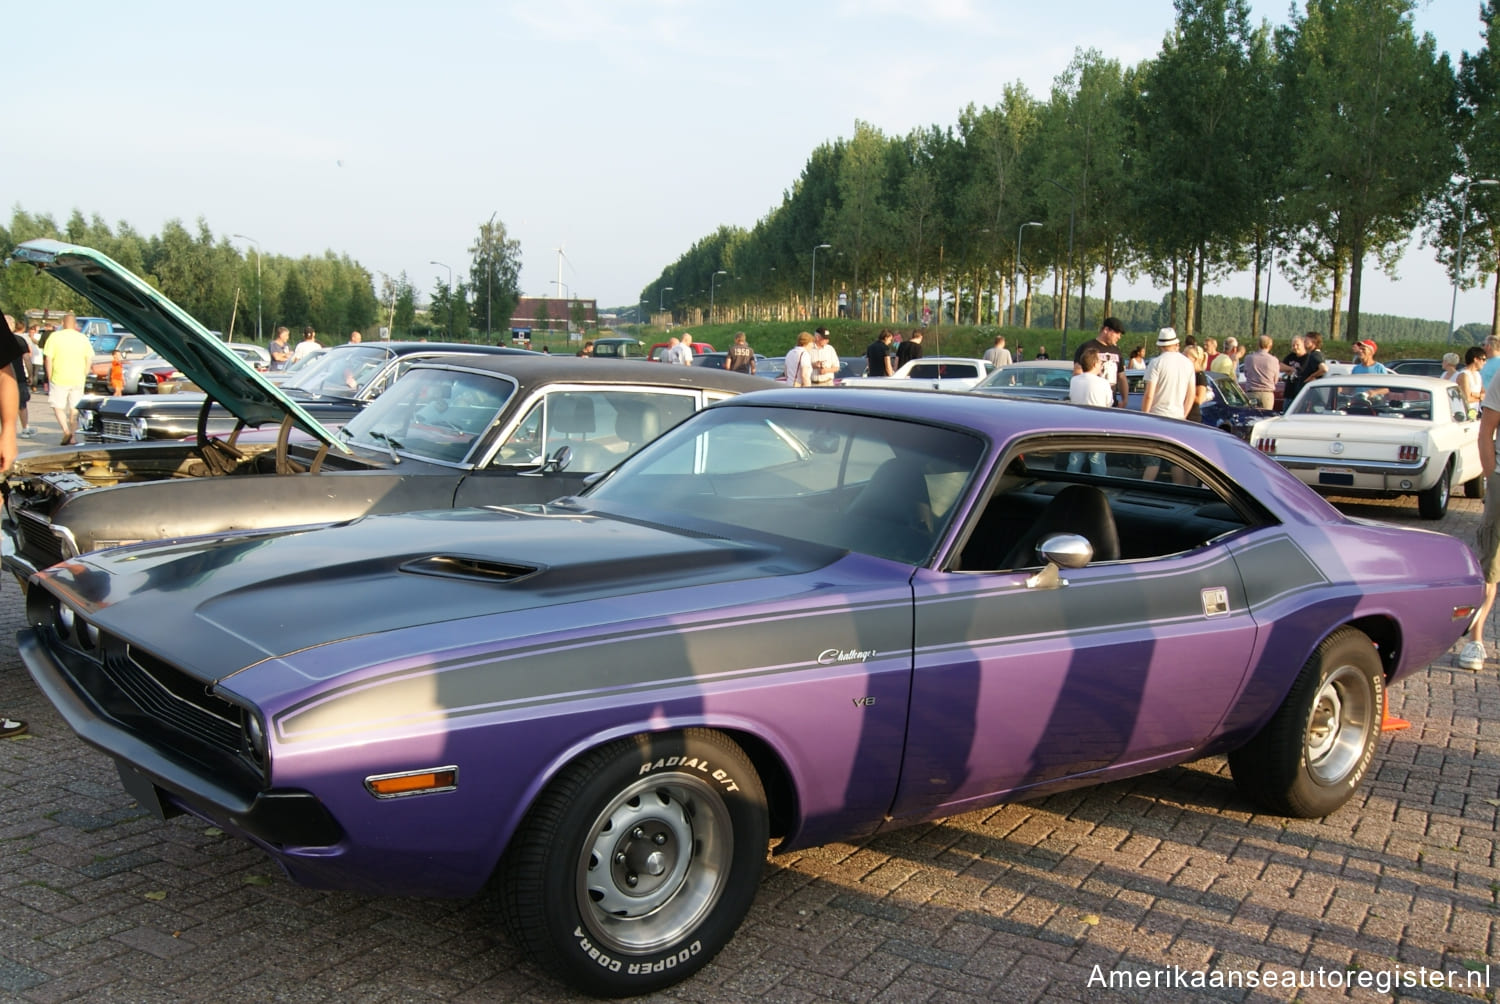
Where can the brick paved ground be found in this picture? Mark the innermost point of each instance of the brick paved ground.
(99, 903)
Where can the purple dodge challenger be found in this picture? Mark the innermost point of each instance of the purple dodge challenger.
(797, 617)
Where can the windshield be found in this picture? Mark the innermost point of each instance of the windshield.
(338, 373)
(872, 485)
(435, 414)
(1029, 376)
(1232, 394)
(108, 343)
(1363, 399)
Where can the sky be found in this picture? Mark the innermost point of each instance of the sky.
(619, 131)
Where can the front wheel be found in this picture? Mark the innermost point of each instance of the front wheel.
(1311, 756)
(1433, 502)
(637, 864)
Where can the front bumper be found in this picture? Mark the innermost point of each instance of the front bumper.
(167, 783)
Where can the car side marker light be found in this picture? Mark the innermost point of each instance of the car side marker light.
(412, 782)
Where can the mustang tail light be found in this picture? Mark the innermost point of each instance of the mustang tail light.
(1410, 453)
(1265, 444)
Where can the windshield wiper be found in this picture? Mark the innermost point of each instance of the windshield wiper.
(391, 443)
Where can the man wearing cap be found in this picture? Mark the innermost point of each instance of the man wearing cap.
(825, 360)
(1170, 384)
(1364, 358)
(1111, 366)
(1226, 361)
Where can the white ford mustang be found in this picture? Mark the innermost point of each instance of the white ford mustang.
(929, 373)
(1378, 435)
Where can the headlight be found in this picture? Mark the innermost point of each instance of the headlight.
(137, 428)
(253, 732)
(88, 420)
(65, 620)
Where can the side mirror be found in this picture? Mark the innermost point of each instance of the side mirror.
(559, 460)
(1066, 550)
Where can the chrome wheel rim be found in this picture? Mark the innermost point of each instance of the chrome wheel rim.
(1343, 715)
(654, 863)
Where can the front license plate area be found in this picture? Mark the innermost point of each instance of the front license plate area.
(1336, 476)
(139, 787)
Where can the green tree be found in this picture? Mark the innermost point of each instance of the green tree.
(294, 308)
(1200, 107)
(862, 215)
(1370, 104)
(494, 277)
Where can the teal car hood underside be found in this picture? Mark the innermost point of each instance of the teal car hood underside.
(171, 331)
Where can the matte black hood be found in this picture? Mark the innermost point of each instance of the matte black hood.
(171, 331)
(220, 603)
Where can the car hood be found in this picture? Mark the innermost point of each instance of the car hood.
(170, 330)
(221, 603)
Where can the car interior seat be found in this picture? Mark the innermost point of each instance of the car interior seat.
(573, 415)
(1080, 509)
(895, 506)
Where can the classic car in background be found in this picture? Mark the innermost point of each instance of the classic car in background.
(1379, 436)
(166, 329)
(455, 429)
(927, 373)
(1035, 379)
(1418, 367)
(333, 387)
(619, 347)
(1227, 407)
(796, 615)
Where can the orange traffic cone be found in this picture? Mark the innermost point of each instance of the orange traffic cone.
(1389, 723)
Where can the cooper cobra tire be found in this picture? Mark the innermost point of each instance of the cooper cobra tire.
(636, 865)
(1433, 502)
(1312, 755)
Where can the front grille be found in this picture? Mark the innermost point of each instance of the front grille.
(153, 700)
(172, 698)
(116, 429)
(38, 544)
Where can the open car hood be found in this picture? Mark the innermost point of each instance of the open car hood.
(171, 331)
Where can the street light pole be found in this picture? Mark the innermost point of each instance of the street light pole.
(252, 240)
(1015, 278)
(713, 279)
(1458, 253)
(661, 301)
(450, 293)
(812, 296)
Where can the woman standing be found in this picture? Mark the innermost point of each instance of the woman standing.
(1470, 384)
(799, 362)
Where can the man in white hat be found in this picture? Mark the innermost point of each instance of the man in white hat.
(1170, 385)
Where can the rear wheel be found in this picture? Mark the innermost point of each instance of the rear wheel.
(637, 864)
(1474, 488)
(1433, 503)
(1311, 756)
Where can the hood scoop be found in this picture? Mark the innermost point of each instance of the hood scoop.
(460, 566)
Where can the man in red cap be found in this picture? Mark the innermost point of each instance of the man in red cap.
(1364, 358)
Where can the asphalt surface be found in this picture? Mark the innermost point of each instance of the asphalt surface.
(1161, 881)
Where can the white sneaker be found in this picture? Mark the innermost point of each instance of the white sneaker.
(27, 432)
(1472, 656)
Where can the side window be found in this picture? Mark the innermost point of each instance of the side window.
(1130, 502)
(1456, 405)
(599, 427)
